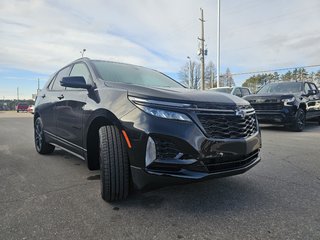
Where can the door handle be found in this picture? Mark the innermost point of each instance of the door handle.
(61, 97)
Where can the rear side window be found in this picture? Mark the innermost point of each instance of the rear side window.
(63, 73)
(245, 92)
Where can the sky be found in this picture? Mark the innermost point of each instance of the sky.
(38, 37)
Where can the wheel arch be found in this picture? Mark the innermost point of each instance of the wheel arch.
(35, 116)
(97, 119)
(303, 106)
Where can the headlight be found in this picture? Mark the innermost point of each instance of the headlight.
(141, 103)
(288, 100)
(165, 114)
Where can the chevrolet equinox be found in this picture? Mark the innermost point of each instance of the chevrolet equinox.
(143, 129)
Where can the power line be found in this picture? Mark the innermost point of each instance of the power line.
(275, 70)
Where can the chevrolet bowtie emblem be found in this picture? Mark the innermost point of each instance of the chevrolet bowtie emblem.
(240, 112)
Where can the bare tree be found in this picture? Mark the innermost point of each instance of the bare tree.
(196, 75)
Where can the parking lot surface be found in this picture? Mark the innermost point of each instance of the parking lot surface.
(57, 197)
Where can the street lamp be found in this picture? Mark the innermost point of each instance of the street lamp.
(189, 72)
(82, 52)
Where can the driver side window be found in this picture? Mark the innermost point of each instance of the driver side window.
(80, 69)
(306, 88)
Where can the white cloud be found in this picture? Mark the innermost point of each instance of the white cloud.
(42, 36)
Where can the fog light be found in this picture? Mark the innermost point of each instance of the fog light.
(151, 154)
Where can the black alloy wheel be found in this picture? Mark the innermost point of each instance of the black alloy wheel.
(299, 121)
(41, 145)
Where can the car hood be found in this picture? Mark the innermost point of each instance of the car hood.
(265, 98)
(180, 94)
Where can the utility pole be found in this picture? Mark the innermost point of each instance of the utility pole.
(218, 45)
(38, 89)
(189, 72)
(18, 93)
(202, 50)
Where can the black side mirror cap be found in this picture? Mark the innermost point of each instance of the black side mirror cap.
(312, 92)
(75, 82)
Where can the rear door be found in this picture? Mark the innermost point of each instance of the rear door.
(49, 99)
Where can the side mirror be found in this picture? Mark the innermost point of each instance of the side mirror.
(75, 82)
(312, 92)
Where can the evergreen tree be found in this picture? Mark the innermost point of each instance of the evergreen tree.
(302, 74)
(276, 76)
(295, 74)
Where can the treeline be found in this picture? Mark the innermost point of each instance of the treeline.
(8, 105)
(298, 74)
(210, 77)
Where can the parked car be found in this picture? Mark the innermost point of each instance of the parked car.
(22, 107)
(142, 128)
(287, 103)
(238, 91)
(31, 109)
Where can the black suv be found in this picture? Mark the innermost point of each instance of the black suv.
(287, 103)
(141, 128)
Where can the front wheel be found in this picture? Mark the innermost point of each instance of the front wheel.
(299, 121)
(114, 164)
(41, 145)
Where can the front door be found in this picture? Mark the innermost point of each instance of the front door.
(69, 112)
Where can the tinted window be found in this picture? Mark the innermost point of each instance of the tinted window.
(237, 92)
(313, 86)
(130, 74)
(245, 92)
(284, 87)
(63, 73)
(306, 88)
(51, 82)
(80, 69)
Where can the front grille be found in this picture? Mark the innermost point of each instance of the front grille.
(267, 106)
(225, 163)
(224, 126)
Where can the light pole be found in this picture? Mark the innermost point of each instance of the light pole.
(82, 52)
(218, 45)
(189, 72)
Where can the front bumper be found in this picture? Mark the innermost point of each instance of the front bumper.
(184, 152)
(283, 116)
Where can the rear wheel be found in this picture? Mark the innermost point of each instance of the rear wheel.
(299, 121)
(41, 145)
(114, 164)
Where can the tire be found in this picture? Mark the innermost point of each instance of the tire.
(17, 111)
(114, 164)
(299, 121)
(41, 145)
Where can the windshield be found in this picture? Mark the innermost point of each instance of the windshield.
(130, 74)
(284, 87)
(223, 90)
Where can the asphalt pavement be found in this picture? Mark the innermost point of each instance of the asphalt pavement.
(57, 197)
